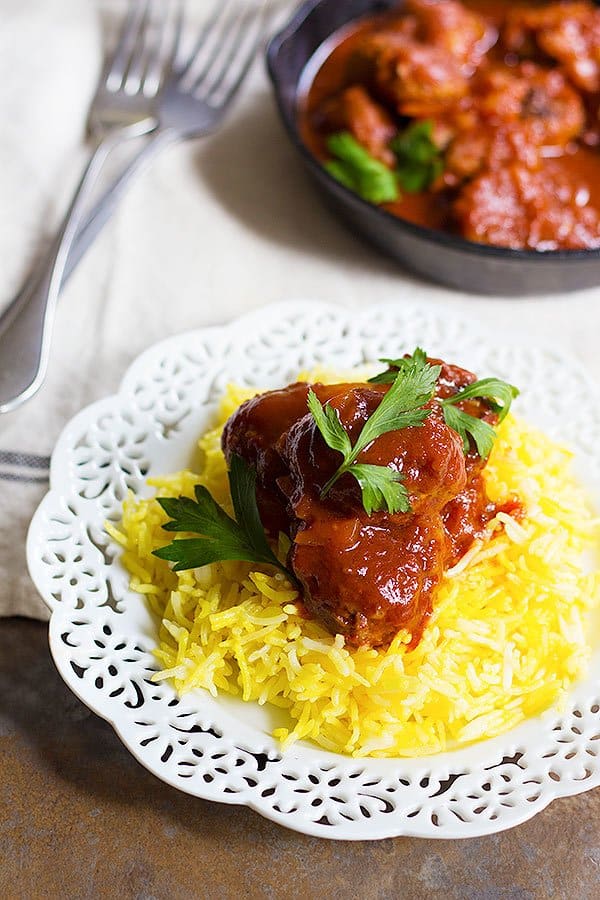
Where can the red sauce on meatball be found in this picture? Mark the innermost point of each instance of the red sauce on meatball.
(364, 576)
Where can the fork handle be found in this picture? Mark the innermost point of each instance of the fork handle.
(104, 208)
(26, 326)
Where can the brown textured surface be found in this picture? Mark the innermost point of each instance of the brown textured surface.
(79, 818)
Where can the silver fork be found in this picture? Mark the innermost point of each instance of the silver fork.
(185, 109)
(122, 108)
(195, 94)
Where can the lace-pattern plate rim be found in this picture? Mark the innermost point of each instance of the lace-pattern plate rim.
(102, 635)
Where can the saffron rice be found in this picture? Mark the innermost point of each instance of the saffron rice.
(506, 640)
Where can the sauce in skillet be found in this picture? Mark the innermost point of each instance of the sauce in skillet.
(537, 182)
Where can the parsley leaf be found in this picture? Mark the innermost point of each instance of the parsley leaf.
(401, 407)
(465, 425)
(420, 163)
(329, 425)
(356, 169)
(381, 488)
(413, 386)
(221, 537)
(418, 358)
(419, 158)
(499, 395)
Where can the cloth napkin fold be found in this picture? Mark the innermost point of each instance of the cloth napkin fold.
(214, 228)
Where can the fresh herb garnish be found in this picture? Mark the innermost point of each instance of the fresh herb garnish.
(419, 159)
(467, 427)
(499, 395)
(401, 407)
(405, 363)
(221, 537)
(355, 168)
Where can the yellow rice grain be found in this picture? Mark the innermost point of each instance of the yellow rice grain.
(507, 638)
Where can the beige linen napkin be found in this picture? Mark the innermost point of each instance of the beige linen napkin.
(213, 229)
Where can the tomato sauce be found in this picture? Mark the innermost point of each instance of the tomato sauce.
(363, 575)
(542, 157)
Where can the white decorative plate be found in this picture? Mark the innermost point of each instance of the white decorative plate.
(101, 634)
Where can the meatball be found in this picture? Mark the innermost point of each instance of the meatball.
(430, 457)
(367, 580)
(519, 113)
(422, 62)
(416, 79)
(446, 24)
(355, 111)
(516, 207)
(536, 99)
(369, 576)
(252, 432)
(567, 32)
(363, 576)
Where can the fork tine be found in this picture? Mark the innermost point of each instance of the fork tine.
(177, 31)
(134, 70)
(231, 29)
(117, 68)
(232, 39)
(219, 9)
(153, 59)
(160, 45)
(246, 60)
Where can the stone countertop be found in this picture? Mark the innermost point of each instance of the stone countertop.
(82, 819)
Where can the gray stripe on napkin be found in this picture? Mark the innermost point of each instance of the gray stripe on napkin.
(28, 460)
(31, 479)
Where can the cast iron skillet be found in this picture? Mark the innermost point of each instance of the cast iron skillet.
(433, 254)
